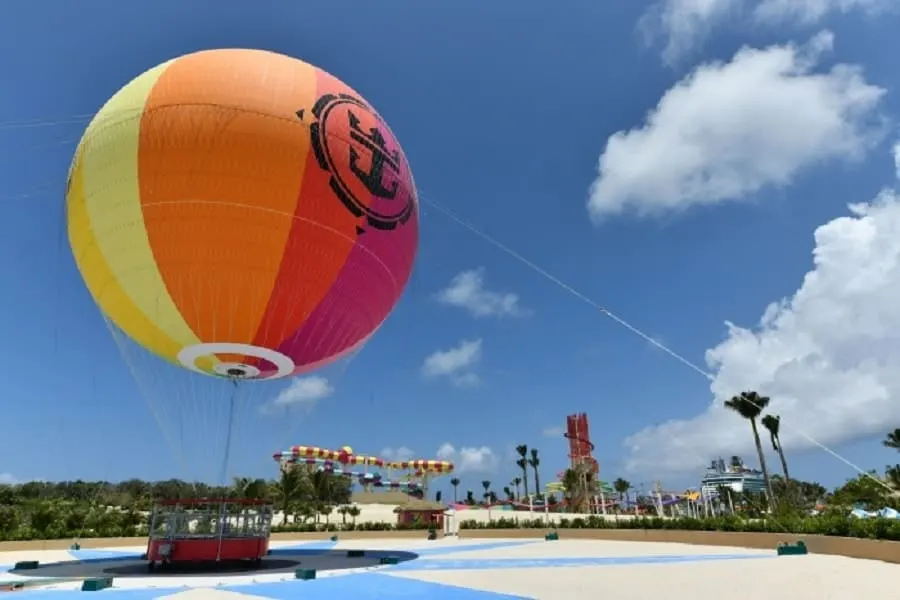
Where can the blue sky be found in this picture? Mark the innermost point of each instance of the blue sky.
(702, 214)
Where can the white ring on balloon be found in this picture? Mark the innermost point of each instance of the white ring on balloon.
(283, 364)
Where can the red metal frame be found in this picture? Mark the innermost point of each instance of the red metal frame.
(581, 449)
(225, 543)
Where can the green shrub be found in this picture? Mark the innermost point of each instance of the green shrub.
(831, 525)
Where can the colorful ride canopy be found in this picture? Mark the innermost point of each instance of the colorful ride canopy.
(242, 214)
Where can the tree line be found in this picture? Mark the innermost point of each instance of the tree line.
(50, 510)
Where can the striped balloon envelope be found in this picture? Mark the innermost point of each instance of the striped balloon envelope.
(242, 214)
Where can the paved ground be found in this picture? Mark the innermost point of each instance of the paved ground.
(495, 569)
(281, 561)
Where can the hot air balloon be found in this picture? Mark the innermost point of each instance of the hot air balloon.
(243, 215)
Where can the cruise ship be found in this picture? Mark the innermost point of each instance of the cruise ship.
(733, 475)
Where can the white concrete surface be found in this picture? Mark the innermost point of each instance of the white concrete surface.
(786, 578)
(754, 575)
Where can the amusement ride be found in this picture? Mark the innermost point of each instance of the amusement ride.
(413, 476)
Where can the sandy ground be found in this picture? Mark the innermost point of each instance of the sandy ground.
(532, 568)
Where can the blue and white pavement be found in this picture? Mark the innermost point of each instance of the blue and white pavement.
(467, 570)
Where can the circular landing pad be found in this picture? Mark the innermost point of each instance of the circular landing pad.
(279, 561)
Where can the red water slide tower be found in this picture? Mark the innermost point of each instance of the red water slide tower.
(581, 449)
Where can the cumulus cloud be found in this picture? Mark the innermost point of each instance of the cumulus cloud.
(469, 459)
(553, 431)
(686, 24)
(809, 12)
(481, 459)
(303, 392)
(896, 153)
(467, 291)
(729, 129)
(8, 479)
(397, 454)
(456, 364)
(828, 356)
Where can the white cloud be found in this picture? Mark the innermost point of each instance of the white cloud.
(303, 392)
(829, 356)
(456, 363)
(810, 12)
(553, 431)
(466, 460)
(896, 153)
(398, 454)
(686, 24)
(467, 291)
(729, 129)
(469, 459)
(8, 479)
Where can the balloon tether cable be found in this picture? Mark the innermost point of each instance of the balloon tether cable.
(227, 456)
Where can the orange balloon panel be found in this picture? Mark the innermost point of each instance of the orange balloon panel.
(242, 213)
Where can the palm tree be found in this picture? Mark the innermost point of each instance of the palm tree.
(773, 424)
(509, 493)
(329, 489)
(517, 481)
(749, 405)
(892, 475)
(571, 486)
(250, 489)
(486, 484)
(308, 511)
(622, 486)
(455, 483)
(535, 462)
(239, 485)
(288, 489)
(892, 440)
(523, 464)
(726, 498)
(323, 509)
(579, 486)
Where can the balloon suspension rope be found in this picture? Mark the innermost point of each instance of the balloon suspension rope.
(227, 457)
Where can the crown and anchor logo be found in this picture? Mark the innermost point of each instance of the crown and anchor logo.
(349, 178)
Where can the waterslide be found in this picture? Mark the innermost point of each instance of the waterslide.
(417, 472)
(365, 478)
(423, 466)
(344, 456)
(884, 513)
